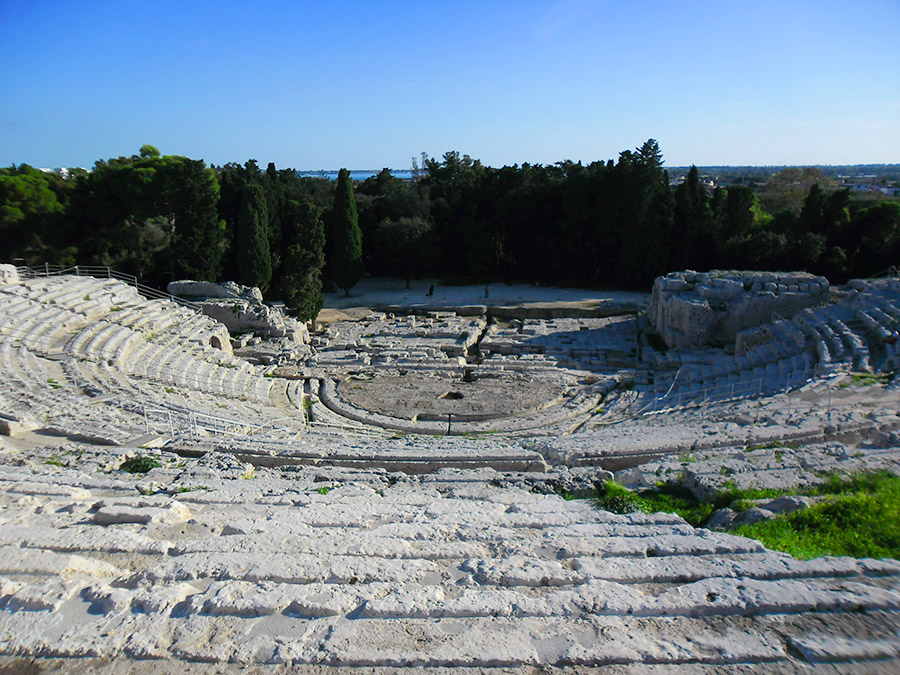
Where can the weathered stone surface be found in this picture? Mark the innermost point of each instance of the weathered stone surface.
(788, 504)
(208, 289)
(690, 309)
(8, 274)
(301, 547)
(240, 309)
(828, 648)
(242, 316)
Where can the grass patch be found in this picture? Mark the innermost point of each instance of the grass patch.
(619, 499)
(183, 488)
(139, 464)
(53, 461)
(670, 498)
(765, 446)
(859, 517)
(324, 490)
(864, 380)
(868, 379)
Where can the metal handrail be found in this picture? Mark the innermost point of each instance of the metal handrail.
(192, 419)
(104, 272)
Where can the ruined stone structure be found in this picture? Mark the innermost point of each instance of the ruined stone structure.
(320, 514)
(690, 309)
(241, 309)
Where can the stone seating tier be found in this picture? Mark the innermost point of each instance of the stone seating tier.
(476, 577)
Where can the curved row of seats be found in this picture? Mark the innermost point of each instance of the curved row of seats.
(860, 333)
(111, 341)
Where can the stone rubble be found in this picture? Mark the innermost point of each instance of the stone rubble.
(241, 310)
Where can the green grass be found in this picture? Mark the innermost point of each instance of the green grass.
(184, 488)
(139, 464)
(619, 499)
(53, 461)
(864, 380)
(324, 490)
(766, 446)
(859, 517)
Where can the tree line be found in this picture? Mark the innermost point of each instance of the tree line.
(607, 224)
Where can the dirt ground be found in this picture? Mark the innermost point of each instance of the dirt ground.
(374, 292)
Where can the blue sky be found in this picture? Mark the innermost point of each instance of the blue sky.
(370, 84)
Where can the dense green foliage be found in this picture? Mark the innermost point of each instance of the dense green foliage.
(301, 279)
(151, 215)
(666, 498)
(139, 464)
(859, 516)
(617, 223)
(346, 237)
(254, 258)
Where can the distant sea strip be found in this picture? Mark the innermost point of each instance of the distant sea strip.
(404, 174)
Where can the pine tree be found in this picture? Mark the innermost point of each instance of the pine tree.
(346, 245)
(254, 261)
(189, 193)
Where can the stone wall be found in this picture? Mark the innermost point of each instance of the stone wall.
(691, 309)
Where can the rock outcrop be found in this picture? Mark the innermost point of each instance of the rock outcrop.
(691, 309)
(241, 309)
(8, 274)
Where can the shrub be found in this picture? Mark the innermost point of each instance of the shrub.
(139, 464)
(618, 499)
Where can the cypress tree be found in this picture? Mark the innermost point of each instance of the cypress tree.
(346, 245)
(302, 270)
(254, 260)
